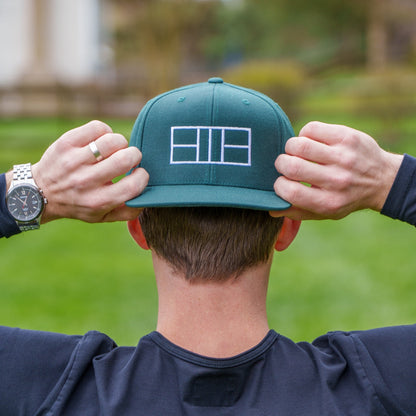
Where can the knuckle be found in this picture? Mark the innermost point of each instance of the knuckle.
(119, 140)
(99, 204)
(337, 205)
(351, 138)
(98, 128)
(291, 145)
(343, 181)
(81, 183)
(68, 164)
(334, 206)
(136, 154)
(136, 182)
(144, 174)
(133, 188)
(301, 146)
(132, 157)
(349, 161)
(120, 158)
(345, 158)
(294, 194)
(289, 191)
(125, 159)
(97, 125)
(293, 169)
(279, 162)
(63, 149)
(68, 159)
(279, 158)
(313, 124)
(310, 127)
(278, 185)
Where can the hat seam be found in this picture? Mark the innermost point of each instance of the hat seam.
(271, 103)
(211, 169)
(220, 184)
(151, 103)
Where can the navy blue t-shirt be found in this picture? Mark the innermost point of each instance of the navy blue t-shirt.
(357, 373)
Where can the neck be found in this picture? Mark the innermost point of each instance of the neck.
(215, 319)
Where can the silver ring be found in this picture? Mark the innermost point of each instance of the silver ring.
(95, 151)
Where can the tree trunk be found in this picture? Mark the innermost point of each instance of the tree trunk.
(377, 57)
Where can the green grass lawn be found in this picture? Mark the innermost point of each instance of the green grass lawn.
(72, 277)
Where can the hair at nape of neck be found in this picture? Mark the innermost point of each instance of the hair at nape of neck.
(210, 243)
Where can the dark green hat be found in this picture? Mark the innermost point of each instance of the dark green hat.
(211, 144)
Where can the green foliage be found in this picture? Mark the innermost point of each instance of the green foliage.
(388, 95)
(161, 42)
(382, 104)
(282, 81)
(154, 39)
(316, 33)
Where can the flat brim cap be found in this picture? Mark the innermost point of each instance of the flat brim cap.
(211, 144)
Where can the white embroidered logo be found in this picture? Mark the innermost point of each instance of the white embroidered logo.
(210, 145)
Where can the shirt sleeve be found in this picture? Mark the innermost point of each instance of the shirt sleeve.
(37, 369)
(8, 226)
(389, 359)
(31, 363)
(401, 200)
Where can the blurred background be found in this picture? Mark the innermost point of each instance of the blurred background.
(64, 62)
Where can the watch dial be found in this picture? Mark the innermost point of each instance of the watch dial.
(25, 203)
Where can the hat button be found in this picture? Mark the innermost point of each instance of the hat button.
(215, 80)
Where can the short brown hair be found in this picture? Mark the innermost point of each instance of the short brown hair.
(210, 243)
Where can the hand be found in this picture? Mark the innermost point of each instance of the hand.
(78, 186)
(346, 168)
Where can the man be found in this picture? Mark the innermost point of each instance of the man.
(209, 149)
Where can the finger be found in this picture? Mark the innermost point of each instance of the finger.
(119, 163)
(298, 169)
(122, 213)
(295, 214)
(132, 185)
(107, 145)
(308, 149)
(301, 196)
(283, 213)
(324, 133)
(125, 189)
(81, 136)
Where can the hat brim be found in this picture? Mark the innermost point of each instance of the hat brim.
(208, 195)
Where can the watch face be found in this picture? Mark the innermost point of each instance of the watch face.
(25, 203)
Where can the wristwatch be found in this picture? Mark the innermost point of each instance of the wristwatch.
(24, 199)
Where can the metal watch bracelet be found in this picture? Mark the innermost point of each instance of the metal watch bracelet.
(22, 174)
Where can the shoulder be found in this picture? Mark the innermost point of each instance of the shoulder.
(384, 358)
(383, 346)
(51, 360)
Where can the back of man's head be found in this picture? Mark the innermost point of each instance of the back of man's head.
(210, 243)
(209, 150)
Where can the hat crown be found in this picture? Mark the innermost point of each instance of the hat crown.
(211, 134)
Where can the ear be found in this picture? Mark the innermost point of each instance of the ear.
(136, 232)
(287, 233)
